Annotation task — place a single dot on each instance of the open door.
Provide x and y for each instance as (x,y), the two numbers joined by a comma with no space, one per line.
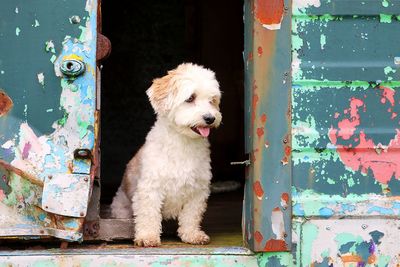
(48,116)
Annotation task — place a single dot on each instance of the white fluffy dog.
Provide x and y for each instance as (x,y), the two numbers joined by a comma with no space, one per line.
(169,176)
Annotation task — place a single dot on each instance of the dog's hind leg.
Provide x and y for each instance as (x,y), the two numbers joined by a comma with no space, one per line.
(121,206)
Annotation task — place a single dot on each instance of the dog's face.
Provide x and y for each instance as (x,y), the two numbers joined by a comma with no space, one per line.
(189,97)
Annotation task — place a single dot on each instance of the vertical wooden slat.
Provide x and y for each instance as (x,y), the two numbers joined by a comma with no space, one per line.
(267,213)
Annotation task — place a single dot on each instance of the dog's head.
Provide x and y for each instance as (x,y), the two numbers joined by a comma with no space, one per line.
(189,97)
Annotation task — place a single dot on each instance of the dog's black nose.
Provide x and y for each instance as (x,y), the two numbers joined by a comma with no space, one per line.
(209,119)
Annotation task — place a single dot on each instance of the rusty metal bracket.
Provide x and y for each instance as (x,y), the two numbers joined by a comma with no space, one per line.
(66,194)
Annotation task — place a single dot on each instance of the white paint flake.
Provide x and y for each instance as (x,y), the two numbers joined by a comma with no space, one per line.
(40,78)
(299,4)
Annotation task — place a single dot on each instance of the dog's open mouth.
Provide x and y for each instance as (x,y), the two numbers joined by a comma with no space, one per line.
(203,131)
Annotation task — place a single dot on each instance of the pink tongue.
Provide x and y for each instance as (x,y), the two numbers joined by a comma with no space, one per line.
(204,131)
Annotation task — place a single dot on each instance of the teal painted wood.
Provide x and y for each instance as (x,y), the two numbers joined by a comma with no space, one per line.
(53,113)
(346,7)
(232,257)
(267,213)
(345,111)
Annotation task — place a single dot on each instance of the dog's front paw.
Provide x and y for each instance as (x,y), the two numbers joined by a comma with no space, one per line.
(147,241)
(196,238)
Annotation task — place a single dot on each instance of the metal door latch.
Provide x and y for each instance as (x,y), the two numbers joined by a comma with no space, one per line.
(246,162)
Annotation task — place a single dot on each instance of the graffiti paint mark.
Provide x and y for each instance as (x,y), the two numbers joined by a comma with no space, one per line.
(5,103)
(269,13)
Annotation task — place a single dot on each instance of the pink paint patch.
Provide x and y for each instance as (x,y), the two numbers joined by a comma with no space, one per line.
(382,160)
(25,151)
(347,127)
(2,195)
(388,94)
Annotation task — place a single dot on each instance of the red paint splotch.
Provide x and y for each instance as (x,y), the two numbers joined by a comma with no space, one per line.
(275,245)
(254,103)
(284,200)
(258,190)
(258,236)
(259,51)
(260,132)
(263,118)
(382,159)
(288,150)
(269,11)
(253,155)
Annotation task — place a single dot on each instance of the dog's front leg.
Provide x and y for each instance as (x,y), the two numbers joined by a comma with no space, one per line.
(190,217)
(146,207)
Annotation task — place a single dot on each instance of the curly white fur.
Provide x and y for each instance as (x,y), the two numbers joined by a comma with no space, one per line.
(169,177)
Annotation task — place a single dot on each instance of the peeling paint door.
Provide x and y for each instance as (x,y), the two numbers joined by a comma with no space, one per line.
(345,131)
(48,116)
(266,210)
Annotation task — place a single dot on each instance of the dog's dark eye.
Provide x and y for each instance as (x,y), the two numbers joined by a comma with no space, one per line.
(191,98)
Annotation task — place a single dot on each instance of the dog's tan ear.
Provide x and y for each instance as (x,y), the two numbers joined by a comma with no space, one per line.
(159,94)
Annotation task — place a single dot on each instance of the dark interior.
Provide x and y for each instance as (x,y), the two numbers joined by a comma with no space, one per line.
(150,37)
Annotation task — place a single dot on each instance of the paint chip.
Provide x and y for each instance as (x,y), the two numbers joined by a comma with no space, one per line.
(16,10)
(8,144)
(36,24)
(300,4)
(40,78)
(53,58)
(50,47)
(323,41)
(17,31)
(75,20)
